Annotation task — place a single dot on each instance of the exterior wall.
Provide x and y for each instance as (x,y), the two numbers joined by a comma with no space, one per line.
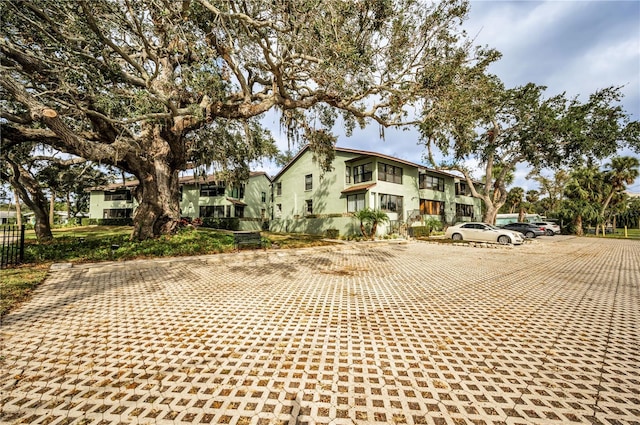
(192,201)
(97,204)
(329,201)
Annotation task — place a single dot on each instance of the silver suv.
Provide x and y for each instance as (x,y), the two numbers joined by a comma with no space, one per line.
(550,228)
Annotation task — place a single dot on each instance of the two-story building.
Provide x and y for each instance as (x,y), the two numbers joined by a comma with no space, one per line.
(307,200)
(202,197)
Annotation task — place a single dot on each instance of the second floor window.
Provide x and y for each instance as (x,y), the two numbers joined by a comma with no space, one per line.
(308,182)
(118,195)
(462,189)
(264,197)
(363,173)
(238,192)
(213,189)
(389,173)
(431,182)
(278,189)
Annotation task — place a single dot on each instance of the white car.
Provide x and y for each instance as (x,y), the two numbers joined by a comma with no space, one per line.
(550,228)
(483,232)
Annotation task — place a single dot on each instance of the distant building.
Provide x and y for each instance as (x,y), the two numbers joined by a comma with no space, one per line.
(7,217)
(201,197)
(502,219)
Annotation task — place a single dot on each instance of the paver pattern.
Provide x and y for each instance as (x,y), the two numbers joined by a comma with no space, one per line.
(416,333)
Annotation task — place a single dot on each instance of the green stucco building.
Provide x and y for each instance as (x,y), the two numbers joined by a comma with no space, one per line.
(303,199)
(307,200)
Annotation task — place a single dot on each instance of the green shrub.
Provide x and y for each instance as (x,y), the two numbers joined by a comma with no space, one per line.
(332,233)
(221,223)
(115,221)
(88,221)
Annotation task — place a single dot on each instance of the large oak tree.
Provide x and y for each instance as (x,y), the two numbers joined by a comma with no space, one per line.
(153,86)
(500,128)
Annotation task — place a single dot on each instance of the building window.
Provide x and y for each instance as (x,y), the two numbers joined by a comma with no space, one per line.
(215,211)
(389,173)
(239,210)
(429,207)
(264,196)
(462,189)
(238,192)
(391,203)
(363,173)
(309,206)
(263,213)
(216,189)
(355,202)
(347,175)
(117,213)
(463,210)
(431,182)
(278,212)
(278,189)
(308,182)
(118,195)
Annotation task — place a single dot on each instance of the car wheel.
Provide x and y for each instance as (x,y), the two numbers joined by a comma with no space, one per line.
(530,235)
(456,237)
(550,232)
(504,240)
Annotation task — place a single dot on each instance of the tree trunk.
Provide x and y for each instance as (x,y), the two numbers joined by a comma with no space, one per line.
(158,195)
(29,191)
(52,205)
(521,215)
(18,209)
(578,223)
(68,200)
(363,230)
(491,213)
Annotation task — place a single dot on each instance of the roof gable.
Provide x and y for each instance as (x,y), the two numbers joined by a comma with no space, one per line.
(362,153)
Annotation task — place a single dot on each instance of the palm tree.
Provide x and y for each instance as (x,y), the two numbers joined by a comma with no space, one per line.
(370,218)
(622,170)
(377,217)
(583,195)
(364,216)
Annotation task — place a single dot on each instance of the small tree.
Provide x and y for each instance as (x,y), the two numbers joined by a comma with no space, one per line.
(377,217)
(363,216)
(369,221)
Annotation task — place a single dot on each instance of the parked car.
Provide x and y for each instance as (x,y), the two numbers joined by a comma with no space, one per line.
(527,229)
(550,228)
(483,232)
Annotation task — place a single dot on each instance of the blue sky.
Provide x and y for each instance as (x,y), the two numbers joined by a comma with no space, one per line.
(575,47)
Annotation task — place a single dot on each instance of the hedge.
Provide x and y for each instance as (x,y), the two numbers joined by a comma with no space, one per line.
(221,223)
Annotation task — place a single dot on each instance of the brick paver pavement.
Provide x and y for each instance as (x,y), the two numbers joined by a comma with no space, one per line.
(356,334)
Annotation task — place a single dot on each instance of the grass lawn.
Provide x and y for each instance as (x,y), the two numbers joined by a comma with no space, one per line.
(111,243)
(16,284)
(619,234)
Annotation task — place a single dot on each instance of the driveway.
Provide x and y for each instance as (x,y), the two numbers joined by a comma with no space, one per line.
(363,333)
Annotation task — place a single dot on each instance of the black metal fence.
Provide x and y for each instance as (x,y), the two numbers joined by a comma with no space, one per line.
(12,238)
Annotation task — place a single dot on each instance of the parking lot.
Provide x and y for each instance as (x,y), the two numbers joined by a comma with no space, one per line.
(359,333)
